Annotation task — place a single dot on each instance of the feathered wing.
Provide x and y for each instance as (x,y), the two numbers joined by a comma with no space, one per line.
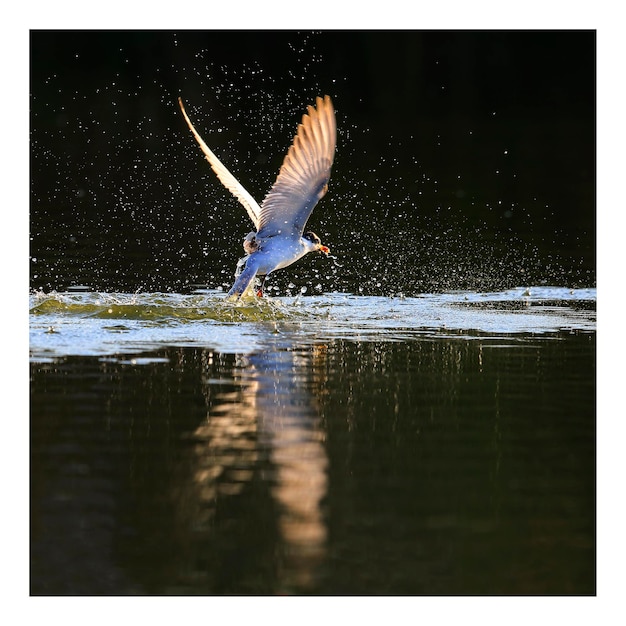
(303,177)
(226,178)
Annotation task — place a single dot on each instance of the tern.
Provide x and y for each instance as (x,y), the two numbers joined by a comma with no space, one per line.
(280,239)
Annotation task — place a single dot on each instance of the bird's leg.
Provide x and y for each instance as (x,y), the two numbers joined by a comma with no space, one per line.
(259,292)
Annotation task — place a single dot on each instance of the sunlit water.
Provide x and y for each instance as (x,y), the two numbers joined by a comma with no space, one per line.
(331,444)
(101,323)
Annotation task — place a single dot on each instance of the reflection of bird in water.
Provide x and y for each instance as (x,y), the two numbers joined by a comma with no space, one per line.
(263,429)
(302,181)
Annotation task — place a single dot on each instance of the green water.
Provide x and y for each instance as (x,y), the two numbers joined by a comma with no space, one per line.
(317,445)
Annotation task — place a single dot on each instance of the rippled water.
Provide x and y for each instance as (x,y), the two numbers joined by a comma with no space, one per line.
(95,323)
(333,444)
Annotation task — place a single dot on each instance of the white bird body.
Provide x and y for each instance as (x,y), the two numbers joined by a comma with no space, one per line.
(302,181)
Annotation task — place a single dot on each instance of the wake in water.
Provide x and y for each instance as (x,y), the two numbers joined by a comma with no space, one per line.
(159,306)
(63,324)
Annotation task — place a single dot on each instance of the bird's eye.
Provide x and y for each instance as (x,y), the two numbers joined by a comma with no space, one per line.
(311,236)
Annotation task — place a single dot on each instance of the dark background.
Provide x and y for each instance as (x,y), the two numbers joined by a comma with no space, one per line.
(465,160)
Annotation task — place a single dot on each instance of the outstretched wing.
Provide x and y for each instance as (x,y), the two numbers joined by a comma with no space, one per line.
(227,179)
(303,176)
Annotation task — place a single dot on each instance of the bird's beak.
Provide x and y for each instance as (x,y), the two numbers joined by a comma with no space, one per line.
(324,249)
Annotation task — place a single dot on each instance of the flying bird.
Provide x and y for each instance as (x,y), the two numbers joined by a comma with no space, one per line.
(280,239)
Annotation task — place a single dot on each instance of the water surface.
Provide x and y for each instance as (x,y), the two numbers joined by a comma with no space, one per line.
(332,444)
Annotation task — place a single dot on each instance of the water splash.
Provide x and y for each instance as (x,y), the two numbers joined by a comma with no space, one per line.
(106,324)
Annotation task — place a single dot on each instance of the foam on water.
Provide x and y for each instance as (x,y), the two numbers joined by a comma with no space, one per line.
(63,324)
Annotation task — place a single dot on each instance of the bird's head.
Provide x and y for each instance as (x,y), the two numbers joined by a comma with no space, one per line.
(316,243)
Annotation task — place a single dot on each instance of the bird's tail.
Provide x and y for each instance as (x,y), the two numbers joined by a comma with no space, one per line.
(244,280)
